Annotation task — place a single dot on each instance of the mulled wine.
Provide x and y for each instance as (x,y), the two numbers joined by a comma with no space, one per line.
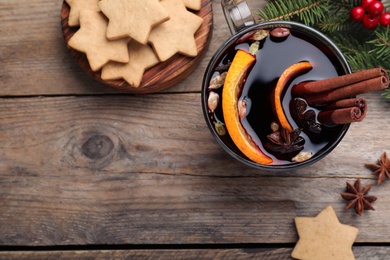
(274,56)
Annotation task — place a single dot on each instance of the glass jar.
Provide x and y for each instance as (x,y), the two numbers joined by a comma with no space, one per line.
(237,14)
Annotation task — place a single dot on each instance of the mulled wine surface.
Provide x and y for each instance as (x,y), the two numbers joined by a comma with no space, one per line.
(273,58)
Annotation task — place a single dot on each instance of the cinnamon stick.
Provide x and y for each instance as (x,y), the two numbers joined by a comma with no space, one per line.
(340,116)
(320,86)
(360,103)
(344,112)
(374,84)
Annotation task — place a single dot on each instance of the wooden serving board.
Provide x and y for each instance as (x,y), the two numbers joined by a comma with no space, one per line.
(161,76)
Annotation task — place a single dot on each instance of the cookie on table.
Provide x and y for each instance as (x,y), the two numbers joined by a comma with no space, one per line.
(177,35)
(324,237)
(193,4)
(76,6)
(132,18)
(91,39)
(141,57)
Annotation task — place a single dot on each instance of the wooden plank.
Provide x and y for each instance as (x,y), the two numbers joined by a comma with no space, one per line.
(36,61)
(266,254)
(34,58)
(360,252)
(152,128)
(146,170)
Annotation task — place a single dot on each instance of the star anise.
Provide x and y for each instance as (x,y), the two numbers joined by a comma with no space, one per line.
(382,168)
(357,197)
(283,141)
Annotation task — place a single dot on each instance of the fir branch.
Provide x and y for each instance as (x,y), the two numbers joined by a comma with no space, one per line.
(381,44)
(308,11)
(359,56)
(335,24)
(361,47)
(386,94)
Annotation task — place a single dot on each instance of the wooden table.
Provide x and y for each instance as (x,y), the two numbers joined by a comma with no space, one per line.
(86,171)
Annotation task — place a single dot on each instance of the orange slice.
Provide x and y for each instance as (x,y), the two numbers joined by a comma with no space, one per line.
(241,65)
(291,72)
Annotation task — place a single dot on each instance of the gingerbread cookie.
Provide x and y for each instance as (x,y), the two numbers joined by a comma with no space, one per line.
(91,39)
(177,34)
(132,18)
(324,237)
(193,4)
(141,56)
(76,6)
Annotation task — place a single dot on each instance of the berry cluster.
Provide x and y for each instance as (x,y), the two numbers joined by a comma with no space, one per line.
(370,13)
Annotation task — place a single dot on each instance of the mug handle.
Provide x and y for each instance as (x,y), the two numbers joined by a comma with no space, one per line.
(237,14)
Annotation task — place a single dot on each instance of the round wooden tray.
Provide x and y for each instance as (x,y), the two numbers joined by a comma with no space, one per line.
(161,76)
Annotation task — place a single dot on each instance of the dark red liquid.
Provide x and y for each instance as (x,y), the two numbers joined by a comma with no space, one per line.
(273,58)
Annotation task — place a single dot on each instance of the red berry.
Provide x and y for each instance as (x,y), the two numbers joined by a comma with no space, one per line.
(357,13)
(366,3)
(370,22)
(376,8)
(384,19)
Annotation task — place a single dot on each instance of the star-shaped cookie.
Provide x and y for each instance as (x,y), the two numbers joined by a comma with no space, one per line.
(193,4)
(132,18)
(324,237)
(80,5)
(177,34)
(91,39)
(141,56)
